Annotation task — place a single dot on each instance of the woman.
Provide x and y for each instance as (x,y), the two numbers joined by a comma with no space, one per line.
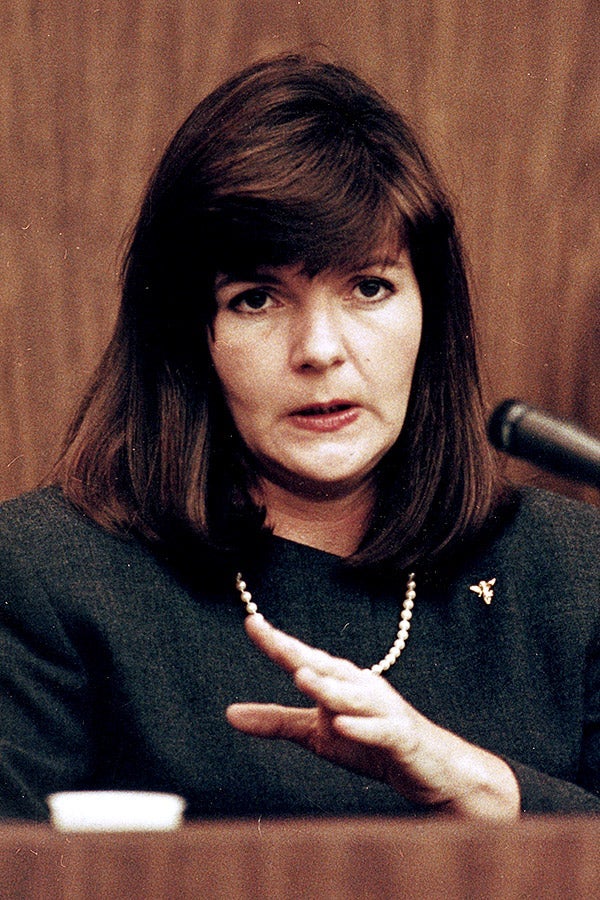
(288,421)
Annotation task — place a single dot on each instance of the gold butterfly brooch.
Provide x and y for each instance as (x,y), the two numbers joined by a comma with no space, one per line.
(485,590)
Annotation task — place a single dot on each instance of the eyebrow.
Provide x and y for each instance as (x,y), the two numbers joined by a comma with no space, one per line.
(269,275)
(384,262)
(255,275)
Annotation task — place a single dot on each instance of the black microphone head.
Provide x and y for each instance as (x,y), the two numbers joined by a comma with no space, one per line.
(501,422)
(545,441)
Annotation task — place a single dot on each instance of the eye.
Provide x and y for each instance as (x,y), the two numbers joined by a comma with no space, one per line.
(373,288)
(252,300)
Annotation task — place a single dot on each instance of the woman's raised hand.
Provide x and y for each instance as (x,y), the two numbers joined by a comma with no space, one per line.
(360,722)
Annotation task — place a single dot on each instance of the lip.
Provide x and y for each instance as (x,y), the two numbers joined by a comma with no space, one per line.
(326,417)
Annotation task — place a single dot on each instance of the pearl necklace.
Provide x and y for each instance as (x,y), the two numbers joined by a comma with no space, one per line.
(397,647)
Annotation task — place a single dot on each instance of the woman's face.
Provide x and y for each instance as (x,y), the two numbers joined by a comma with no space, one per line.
(317,371)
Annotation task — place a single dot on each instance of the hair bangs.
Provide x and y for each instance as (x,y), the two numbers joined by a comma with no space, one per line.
(333,213)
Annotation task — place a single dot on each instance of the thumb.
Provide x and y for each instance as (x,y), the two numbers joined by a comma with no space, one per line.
(272,721)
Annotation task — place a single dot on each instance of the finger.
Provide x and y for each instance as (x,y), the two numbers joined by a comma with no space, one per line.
(272,721)
(290,654)
(364,694)
(375,731)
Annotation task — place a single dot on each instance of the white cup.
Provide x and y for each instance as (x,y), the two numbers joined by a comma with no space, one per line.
(115,811)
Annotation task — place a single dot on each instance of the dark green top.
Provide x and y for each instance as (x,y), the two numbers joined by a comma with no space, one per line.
(114,673)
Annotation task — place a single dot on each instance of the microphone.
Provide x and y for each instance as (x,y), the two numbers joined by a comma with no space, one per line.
(548,442)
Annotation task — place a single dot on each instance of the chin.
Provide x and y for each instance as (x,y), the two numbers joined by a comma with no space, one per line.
(326,483)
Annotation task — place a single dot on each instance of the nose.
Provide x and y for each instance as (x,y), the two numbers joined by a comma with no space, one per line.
(317,339)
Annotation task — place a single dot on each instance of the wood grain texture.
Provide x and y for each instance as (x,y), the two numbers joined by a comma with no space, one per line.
(506,96)
(332,859)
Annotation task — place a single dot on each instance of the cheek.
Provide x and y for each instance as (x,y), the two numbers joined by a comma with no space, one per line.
(394,360)
(243,377)
(225,355)
(395,388)
(230,373)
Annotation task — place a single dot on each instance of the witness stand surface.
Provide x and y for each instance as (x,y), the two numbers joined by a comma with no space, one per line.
(299,858)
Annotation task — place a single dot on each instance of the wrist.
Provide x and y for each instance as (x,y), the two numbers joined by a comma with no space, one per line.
(490,789)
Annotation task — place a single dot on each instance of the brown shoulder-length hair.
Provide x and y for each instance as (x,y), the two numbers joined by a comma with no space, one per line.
(293,160)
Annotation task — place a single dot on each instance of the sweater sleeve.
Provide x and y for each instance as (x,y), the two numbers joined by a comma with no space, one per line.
(541,793)
(44,699)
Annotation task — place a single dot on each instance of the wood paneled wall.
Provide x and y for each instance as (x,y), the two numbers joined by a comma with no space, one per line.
(505,94)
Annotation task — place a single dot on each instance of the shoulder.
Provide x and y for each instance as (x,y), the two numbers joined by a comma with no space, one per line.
(551,507)
(43,535)
(541,520)
(533,526)
(44,520)
(36,510)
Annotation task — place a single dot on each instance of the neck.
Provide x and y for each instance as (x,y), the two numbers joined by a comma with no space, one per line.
(335,525)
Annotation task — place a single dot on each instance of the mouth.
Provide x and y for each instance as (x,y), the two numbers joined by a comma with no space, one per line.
(326,417)
(323,409)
